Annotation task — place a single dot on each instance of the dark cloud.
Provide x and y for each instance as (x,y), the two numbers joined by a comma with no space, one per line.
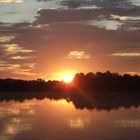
(84,10)
(56,35)
(98,3)
(46,16)
(97,11)
(131,25)
(62,15)
(44,0)
(57,32)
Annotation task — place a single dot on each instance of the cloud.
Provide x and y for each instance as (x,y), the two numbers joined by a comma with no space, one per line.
(47,16)
(16,61)
(6,38)
(55,43)
(18,57)
(127,54)
(78,55)
(106,24)
(118,14)
(18,69)
(62,15)
(119,17)
(11,1)
(10,49)
(77,4)
(129,23)
(126,18)
(87,3)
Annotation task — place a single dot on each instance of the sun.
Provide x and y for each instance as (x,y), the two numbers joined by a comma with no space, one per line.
(68,78)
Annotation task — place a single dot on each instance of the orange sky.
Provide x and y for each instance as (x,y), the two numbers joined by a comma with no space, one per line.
(48,39)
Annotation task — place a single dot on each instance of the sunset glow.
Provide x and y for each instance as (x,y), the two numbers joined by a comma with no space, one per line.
(68,78)
(69,69)
(61,37)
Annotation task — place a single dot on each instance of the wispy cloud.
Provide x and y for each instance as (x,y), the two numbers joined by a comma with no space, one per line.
(21,57)
(18,57)
(15,48)
(18,69)
(4,38)
(106,24)
(126,54)
(78,55)
(119,17)
(11,1)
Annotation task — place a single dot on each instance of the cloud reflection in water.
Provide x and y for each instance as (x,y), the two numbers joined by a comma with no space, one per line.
(49,119)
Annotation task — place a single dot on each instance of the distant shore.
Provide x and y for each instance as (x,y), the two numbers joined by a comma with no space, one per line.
(106,82)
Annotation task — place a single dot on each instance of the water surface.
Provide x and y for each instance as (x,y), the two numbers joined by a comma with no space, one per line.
(52,120)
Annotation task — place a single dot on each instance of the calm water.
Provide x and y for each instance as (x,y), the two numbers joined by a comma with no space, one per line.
(59,120)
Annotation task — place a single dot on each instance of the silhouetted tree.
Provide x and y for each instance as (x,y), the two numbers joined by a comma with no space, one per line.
(101,81)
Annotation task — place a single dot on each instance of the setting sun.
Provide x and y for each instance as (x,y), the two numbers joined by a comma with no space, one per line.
(68,78)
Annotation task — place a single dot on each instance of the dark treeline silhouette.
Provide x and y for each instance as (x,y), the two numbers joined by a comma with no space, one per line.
(92,91)
(106,82)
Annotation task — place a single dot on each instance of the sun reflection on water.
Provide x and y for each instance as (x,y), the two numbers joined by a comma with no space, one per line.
(78,123)
(63,103)
(17,117)
(50,119)
(128,123)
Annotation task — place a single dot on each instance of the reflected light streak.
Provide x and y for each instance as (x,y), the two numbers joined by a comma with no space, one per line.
(128,123)
(78,123)
(62,103)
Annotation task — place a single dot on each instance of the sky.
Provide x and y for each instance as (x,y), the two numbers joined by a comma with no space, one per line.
(49,38)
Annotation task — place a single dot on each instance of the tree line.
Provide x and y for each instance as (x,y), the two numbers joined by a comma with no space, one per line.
(101,90)
(90,82)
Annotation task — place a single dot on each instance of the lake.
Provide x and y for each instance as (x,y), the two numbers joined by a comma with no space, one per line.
(46,119)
